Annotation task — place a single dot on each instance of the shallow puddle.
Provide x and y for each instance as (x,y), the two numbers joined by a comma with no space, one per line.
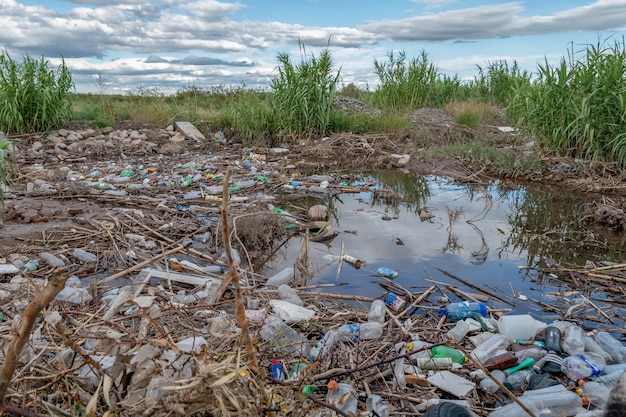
(494,238)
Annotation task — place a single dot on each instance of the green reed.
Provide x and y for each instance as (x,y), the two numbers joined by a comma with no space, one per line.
(34,96)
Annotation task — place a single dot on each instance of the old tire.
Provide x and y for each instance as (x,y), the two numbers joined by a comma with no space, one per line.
(447,409)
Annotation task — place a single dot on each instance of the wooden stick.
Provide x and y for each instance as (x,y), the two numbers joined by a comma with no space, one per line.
(592,304)
(140,265)
(606,277)
(21,332)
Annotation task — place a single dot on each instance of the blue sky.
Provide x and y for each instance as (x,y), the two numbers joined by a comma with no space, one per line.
(173,44)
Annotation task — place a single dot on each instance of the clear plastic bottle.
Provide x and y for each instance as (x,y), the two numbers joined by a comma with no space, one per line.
(283,277)
(552,402)
(574,340)
(610,344)
(536,353)
(458,311)
(490,347)
(583,366)
(343,396)
(596,393)
(518,380)
(592,346)
(363,331)
(377,311)
(416,345)
(323,346)
(374,404)
(286,293)
(610,380)
(459,331)
(487,383)
(399,379)
(280,335)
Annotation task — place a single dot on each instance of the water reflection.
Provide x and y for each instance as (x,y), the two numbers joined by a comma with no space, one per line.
(482,233)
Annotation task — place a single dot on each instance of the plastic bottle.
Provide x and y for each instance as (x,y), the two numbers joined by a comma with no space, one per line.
(377,311)
(518,380)
(596,393)
(284,337)
(443,351)
(520,326)
(553,338)
(386,272)
(487,383)
(574,341)
(536,353)
(582,366)
(561,402)
(286,293)
(502,361)
(459,331)
(374,404)
(320,350)
(490,347)
(614,367)
(399,379)
(363,331)
(277,371)
(464,309)
(432,363)
(611,345)
(342,396)
(416,345)
(84,256)
(526,363)
(592,346)
(283,277)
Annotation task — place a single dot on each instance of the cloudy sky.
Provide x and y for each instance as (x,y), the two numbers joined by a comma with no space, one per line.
(172,44)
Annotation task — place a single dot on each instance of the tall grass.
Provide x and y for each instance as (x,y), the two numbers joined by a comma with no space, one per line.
(302,95)
(578,108)
(498,80)
(33,95)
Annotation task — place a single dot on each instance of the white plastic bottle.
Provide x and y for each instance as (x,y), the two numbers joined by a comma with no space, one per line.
(374,403)
(592,346)
(490,347)
(377,311)
(459,331)
(364,331)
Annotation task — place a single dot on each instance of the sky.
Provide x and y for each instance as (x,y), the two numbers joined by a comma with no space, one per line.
(116,46)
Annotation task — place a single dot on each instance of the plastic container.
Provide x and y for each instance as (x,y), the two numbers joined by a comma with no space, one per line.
(286,293)
(582,366)
(592,346)
(320,350)
(84,256)
(443,351)
(416,345)
(374,404)
(574,340)
(553,339)
(611,345)
(283,277)
(518,380)
(596,393)
(386,272)
(561,402)
(432,363)
(377,311)
(399,379)
(281,336)
(394,302)
(363,331)
(536,353)
(502,361)
(459,331)
(520,327)
(490,347)
(614,367)
(487,384)
(277,371)
(463,310)
(342,396)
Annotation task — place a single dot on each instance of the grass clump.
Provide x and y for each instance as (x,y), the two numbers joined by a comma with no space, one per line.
(578,108)
(33,95)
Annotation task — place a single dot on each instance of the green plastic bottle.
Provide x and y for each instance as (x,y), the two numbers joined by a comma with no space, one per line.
(443,351)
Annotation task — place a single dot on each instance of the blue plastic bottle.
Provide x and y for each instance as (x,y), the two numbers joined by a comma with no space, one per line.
(464,309)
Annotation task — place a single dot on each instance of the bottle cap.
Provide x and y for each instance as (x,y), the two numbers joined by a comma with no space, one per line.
(332,384)
(442,311)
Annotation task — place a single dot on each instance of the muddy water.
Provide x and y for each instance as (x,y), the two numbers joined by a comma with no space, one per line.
(493,237)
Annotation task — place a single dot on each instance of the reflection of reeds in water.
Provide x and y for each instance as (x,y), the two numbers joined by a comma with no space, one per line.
(452,243)
(480,256)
